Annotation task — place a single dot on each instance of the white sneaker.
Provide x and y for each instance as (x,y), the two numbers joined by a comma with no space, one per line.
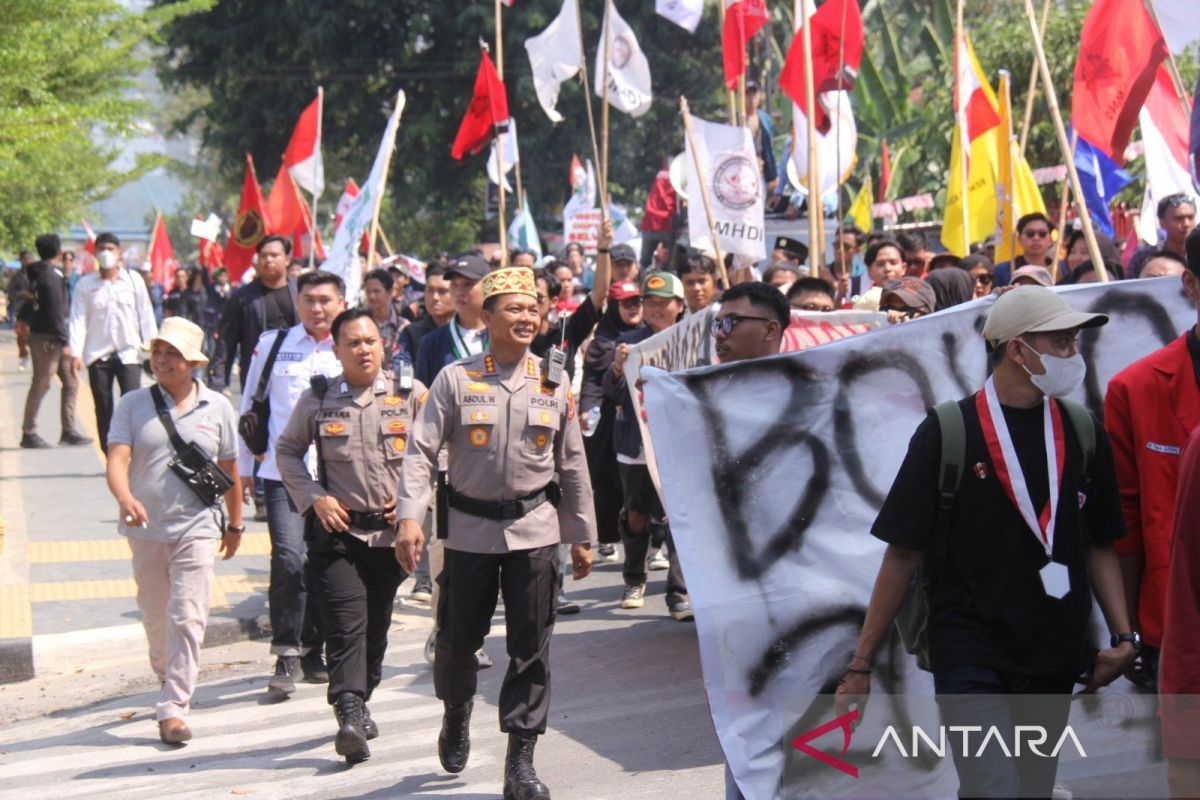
(607,554)
(659,560)
(24,365)
(1061,792)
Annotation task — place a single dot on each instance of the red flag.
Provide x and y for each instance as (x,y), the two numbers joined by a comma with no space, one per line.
(743,19)
(885,172)
(835,59)
(87,260)
(487,112)
(289,214)
(249,226)
(161,254)
(211,255)
(1120,49)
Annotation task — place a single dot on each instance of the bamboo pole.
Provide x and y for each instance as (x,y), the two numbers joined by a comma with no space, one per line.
(1089,232)
(387,166)
(1172,67)
(312,214)
(712,225)
(816,243)
(964,134)
(391,250)
(604,108)
(502,216)
(729,92)
(1009,204)
(741,99)
(587,98)
(1033,82)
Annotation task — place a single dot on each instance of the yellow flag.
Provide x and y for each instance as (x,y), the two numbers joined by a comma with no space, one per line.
(981,193)
(860,209)
(1017,193)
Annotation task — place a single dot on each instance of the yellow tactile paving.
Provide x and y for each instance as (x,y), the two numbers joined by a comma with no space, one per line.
(16,621)
(117,549)
(127,587)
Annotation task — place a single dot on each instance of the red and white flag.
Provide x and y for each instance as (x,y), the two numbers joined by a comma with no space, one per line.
(487,113)
(87,260)
(303,155)
(1165,130)
(975,107)
(836,31)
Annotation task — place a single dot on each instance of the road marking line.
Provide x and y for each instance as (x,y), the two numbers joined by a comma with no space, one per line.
(127,587)
(16,617)
(117,549)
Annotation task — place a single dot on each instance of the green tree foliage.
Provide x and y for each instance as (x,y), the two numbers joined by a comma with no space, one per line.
(65,73)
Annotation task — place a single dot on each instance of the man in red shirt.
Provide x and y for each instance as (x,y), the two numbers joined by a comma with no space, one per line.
(1151,408)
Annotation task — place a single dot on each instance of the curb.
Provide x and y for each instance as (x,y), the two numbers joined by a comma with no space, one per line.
(16,660)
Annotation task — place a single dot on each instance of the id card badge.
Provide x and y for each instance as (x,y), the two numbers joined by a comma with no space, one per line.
(1056,580)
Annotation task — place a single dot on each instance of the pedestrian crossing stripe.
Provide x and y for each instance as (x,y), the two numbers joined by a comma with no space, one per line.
(127,587)
(117,549)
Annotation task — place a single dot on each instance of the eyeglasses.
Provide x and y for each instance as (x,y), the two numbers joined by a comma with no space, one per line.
(986,280)
(904,312)
(726,324)
(632,302)
(1036,233)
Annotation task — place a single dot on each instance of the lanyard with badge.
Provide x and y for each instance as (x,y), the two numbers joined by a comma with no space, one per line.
(459,344)
(1055,578)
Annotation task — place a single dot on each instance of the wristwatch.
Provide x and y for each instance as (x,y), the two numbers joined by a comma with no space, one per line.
(240,529)
(1134,638)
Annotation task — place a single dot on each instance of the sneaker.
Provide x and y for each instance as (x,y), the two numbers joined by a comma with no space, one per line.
(312,664)
(260,511)
(659,560)
(482,659)
(634,596)
(31,441)
(607,554)
(1061,792)
(283,681)
(680,609)
(422,591)
(24,365)
(73,438)
(566,606)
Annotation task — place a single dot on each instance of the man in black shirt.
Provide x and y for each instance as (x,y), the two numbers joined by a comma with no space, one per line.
(1009,569)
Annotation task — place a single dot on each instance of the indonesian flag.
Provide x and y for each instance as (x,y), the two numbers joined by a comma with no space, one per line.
(837,45)
(487,113)
(249,226)
(743,19)
(161,255)
(1165,133)
(303,155)
(88,259)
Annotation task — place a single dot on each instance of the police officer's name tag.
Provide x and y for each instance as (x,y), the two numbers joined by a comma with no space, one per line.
(1056,580)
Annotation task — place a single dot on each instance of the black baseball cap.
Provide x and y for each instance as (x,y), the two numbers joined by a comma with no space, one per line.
(622,252)
(469,266)
(793,247)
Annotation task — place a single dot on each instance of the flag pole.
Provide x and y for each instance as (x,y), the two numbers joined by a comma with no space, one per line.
(502,213)
(604,108)
(387,166)
(1064,205)
(587,98)
(1009,205)
(729,92)
(816,242)
(712,225)
(312,214)
(1089,232)
(1172,67)
(964,135)
(1033,82)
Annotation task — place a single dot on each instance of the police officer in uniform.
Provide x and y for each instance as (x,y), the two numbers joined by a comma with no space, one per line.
(361,422)
(518,485)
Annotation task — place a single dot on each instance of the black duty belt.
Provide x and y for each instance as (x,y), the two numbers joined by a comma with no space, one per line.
(504,510)
(369,520)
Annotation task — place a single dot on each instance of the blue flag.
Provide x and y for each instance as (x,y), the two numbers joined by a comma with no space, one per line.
(1101,179)
(523,233)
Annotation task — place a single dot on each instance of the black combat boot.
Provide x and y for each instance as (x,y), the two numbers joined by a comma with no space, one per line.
(454,742)
(369,726)
(520,781)
(351,740)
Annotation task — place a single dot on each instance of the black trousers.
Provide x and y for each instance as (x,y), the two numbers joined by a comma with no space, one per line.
(528,581)
(101,375)
(357,584)
(641,497)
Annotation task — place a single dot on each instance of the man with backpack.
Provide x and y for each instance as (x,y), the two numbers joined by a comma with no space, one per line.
(1007,503)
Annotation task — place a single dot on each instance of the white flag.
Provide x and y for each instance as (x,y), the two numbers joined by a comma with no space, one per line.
(512,154)
(684,13)
(628,69)
(731,178)
(835,149)
(343,254)
(556,55)
(584,196)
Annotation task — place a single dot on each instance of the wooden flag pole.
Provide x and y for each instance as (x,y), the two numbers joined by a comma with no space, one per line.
(730,93)
(1172,67)
(604,108)
(1009,208)
(587,98)
(391,250)
(712,225)
(312,214)
(741,100)
(816,243)
(1089,232)
(1064,206)
(1033,82)
(387,166)
(964,135)
(502,215)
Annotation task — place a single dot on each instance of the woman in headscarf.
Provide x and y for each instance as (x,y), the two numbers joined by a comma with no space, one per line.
(951,286)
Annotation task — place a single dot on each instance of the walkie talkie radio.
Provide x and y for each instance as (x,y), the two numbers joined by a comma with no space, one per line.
(555,361)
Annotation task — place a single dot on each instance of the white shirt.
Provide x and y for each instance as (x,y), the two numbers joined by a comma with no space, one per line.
(110,317)
(300,357)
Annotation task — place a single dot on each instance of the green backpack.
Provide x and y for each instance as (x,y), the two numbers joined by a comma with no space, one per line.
(912,620)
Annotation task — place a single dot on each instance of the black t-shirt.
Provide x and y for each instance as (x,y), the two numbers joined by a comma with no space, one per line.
(281,312)
(988,607)
(578,327)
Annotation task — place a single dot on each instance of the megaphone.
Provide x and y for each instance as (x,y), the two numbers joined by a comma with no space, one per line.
(678,175)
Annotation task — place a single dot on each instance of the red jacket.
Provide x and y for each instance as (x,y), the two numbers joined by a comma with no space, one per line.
(1151,408)
(1179,673)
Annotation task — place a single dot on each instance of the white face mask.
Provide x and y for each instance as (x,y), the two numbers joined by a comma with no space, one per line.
(1063,375)
(107,259)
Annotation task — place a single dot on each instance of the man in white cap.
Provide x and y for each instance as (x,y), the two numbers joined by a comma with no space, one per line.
(1007,501)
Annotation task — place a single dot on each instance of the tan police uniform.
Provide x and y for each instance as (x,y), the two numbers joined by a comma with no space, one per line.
(514,446)
(362,436)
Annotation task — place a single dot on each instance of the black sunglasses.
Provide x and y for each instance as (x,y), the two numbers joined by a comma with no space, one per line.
(726,324)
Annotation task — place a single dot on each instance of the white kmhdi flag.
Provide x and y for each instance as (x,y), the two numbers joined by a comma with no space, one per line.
(628,69)
(556,56)
(733,183)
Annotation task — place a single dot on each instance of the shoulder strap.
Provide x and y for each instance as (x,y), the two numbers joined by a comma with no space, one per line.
(265,377)
(1085,430)
(954,451)
(323,383)
(164,415)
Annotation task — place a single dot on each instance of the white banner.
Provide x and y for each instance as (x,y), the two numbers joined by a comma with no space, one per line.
(343,253)
(512,155)
(555,55)
(772,473)
(628,69)
(684,13)
(733,183)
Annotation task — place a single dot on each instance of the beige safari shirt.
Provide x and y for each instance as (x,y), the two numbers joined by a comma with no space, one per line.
(363,437)
(508,435)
